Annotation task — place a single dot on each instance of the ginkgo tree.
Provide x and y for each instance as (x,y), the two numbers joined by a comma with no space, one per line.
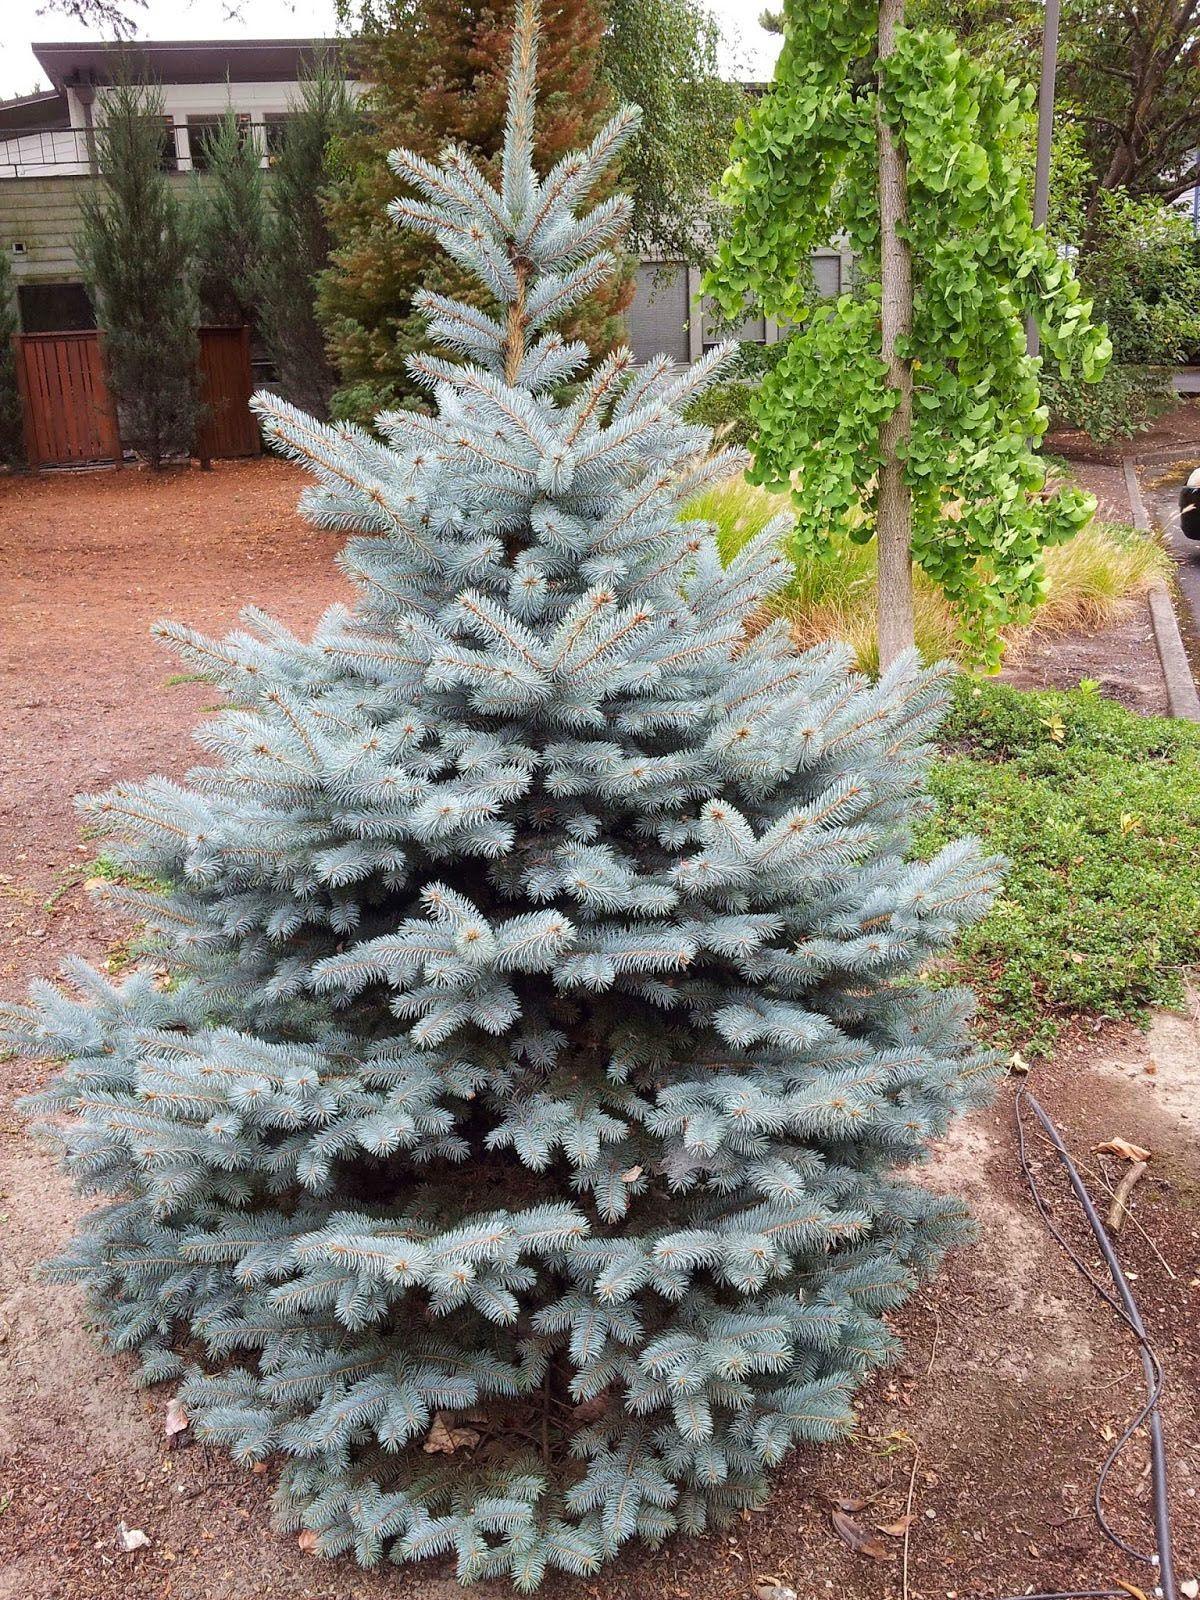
(908,410)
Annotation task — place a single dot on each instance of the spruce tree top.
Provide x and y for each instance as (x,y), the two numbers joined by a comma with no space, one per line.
(513,1147)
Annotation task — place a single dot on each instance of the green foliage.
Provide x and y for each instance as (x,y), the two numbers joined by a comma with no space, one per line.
(1143,269)
(1127,74)
(230,223)
(663,55)
(1098,812)
(135,252)
(1126,88)
(727,408)
(309,158)
(11,450)
(804,171)
(1126,400)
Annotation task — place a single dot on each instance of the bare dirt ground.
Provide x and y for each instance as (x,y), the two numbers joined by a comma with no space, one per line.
(1014,1376)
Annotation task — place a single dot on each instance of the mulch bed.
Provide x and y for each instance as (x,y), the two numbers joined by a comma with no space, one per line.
(1013,1375)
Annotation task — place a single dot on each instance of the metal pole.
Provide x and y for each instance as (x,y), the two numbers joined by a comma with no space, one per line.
(1045,131)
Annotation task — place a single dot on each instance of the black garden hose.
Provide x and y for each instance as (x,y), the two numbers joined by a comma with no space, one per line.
(1125,1307)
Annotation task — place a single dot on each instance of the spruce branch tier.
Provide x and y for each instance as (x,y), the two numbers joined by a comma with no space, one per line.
(513,1154)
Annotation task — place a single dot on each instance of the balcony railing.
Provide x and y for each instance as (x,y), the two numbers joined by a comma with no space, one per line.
(65,152)
(44,152)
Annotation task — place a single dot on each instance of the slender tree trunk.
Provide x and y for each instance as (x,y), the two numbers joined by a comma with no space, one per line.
(893,501)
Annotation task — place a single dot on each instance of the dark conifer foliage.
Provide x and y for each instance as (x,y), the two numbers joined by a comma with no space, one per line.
(309,153)
(12,450)
(230,220)
(135,252)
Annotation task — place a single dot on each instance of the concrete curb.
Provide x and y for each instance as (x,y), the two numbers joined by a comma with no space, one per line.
(1181,686)
(1176,668)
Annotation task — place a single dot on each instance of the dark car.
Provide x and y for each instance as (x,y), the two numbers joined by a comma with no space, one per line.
(1189,507)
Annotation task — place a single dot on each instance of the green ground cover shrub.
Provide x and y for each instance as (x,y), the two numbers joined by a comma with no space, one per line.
(1098,812)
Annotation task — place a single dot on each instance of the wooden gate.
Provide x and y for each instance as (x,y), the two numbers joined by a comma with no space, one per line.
(66,404)
(228,427)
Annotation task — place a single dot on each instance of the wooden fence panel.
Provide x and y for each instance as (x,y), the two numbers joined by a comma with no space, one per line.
(67,407)
(228,426)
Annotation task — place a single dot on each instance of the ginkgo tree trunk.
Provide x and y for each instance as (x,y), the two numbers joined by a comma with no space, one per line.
(908,409)
(894,502)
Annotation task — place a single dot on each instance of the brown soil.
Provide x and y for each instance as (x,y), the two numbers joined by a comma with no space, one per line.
(1123,660)
(1013,1373)
(1174,430)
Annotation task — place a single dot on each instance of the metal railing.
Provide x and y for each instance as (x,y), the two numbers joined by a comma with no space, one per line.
(44,152)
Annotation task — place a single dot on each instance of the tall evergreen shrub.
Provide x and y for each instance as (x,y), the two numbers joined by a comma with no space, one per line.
(12,451)
(135,253)
(297,243)
(230,221)
(514,1155)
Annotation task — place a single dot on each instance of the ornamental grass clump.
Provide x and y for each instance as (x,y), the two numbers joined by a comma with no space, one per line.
(512,1157)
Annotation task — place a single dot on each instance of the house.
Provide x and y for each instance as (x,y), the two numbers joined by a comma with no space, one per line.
(48,162)
(48,146)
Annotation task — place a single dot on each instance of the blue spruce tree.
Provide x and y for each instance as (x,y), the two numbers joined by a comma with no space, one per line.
(512,1152)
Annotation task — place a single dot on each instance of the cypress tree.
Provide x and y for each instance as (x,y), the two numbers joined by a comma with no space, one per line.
(230,222)
(297,241)
(435,70)
(515,1152)
(12,451)
(135,253)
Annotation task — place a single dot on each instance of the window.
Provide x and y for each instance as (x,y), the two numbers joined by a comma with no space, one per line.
(827,276)
(202,132)
(658,317)
(54,308)
(715,330)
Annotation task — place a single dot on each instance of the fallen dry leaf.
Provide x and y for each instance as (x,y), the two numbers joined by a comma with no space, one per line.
(897,1529)
(1018,1064)
(1190,1587)
(847,1502)
(132,1538)
(176,1419)
(309,1541)
(444,1440)
(632,1175)
(1123,1148)
(1131,1588)
(860,1540)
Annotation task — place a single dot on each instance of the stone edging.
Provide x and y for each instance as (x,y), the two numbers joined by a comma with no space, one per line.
(1177,672)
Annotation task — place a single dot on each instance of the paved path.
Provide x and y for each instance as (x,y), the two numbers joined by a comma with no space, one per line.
(1164,508)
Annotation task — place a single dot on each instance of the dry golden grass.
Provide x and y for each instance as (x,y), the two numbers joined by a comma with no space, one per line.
(1089,581)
